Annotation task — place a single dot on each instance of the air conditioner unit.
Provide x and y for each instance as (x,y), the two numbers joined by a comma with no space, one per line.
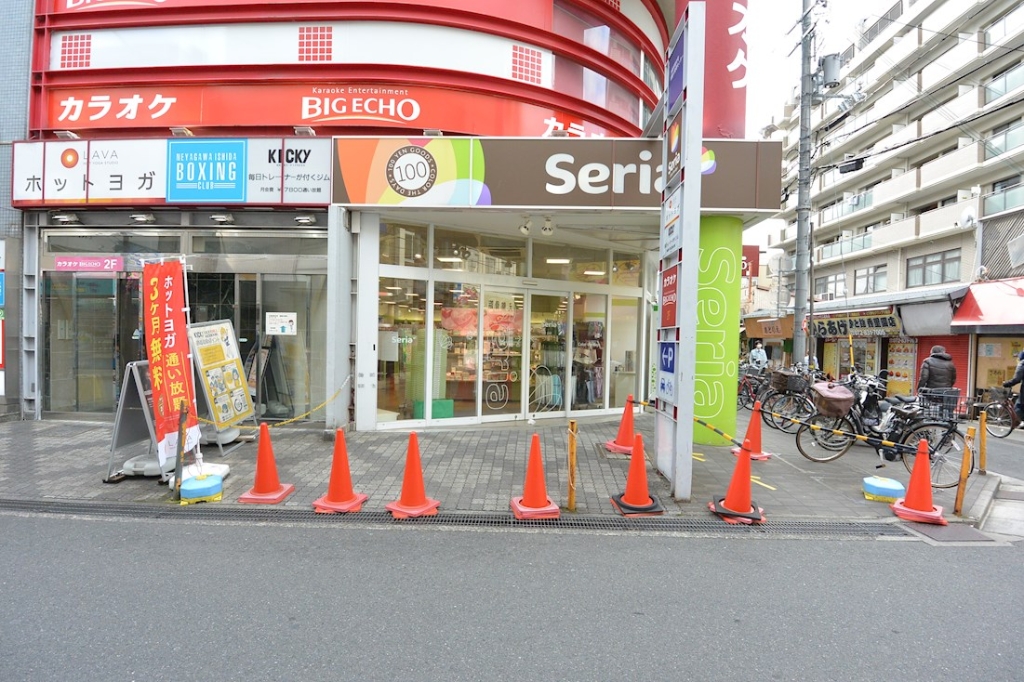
(828,296)
(854,200)
(847,234)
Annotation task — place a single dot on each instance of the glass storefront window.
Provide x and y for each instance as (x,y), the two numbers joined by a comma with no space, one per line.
(113,243)
(588,351)
(307,245)
(402,351)
(587,29)
(997,360)
(573,264)
(626,269)
(403,244)
(486,254)
(456,307)
(622,349)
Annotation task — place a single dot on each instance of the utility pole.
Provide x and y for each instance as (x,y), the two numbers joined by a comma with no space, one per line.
(803,207)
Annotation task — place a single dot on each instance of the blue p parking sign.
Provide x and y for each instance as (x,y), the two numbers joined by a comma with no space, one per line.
(3,291)
(667,353)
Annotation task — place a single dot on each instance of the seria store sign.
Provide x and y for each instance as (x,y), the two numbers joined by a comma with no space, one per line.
(858,323)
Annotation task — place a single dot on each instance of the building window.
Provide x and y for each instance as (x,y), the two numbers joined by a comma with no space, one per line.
(1006,194)
(935,268)
(830,287)
(869,280)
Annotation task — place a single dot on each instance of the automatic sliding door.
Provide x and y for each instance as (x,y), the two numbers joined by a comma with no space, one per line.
(502,353)
(548,392)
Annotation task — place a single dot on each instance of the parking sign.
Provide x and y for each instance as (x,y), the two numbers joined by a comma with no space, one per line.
(667,353)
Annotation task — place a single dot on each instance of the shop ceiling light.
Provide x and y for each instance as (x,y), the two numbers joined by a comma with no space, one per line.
(593,273)
(145,218)
(558,261)
(449,259)
(305,219)
(525,227)
(181,131)
(65,135)
(304,131)
(432,132)
(223,218)
(548,229)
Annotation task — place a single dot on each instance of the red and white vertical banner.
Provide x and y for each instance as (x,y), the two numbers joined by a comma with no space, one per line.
(167,347)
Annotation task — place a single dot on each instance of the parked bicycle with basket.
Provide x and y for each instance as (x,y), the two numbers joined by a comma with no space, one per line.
(1000,414)
(841,421)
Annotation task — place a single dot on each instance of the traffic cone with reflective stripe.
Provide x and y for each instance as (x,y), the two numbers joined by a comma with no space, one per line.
(917,505)
(340,498)
(623,443)
(736,506)
(535,503)
(637,500)
(267,488)
(754,435)
(413,501)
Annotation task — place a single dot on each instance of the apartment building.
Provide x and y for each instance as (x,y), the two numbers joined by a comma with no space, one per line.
(916,196)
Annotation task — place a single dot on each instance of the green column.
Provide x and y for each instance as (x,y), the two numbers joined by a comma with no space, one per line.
(718,327)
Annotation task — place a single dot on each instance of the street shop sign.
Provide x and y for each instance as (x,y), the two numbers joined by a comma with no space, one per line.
(167,349)
(858,323)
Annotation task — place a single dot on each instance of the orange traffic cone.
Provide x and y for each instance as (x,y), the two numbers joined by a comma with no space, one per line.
(623,443)
(414,501)
(636,500)
(340,497)
(917,505)
(535,503)
(736,506)
(754,435)
(267,488)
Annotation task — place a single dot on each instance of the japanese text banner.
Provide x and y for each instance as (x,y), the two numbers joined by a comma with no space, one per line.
(167,348)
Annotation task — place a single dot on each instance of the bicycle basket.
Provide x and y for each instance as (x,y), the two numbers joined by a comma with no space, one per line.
(832,400)
(939,403)
(785,381)
(998,394)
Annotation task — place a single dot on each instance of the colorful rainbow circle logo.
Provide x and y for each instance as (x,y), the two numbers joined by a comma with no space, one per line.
(69,158)
(707,161)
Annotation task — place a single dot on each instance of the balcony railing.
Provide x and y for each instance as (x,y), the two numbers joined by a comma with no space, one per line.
(1004,142)
(1008,82)
(1004,200)
(845,246)
(844,208)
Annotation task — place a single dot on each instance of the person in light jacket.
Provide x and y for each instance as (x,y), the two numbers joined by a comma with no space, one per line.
(758,358)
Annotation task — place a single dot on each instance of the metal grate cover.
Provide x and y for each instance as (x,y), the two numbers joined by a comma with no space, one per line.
(704,526)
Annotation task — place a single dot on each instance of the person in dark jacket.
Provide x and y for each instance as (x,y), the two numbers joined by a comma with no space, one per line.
(1018,377)
(937,370)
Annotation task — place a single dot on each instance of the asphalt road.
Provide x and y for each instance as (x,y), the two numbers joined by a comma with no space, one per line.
(101,599)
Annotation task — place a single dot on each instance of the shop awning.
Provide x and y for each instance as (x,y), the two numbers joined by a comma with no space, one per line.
(995,307)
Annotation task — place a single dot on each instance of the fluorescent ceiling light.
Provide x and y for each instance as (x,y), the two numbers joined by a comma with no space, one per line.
(449,259)
(558,261)
(593,273)
(394,288)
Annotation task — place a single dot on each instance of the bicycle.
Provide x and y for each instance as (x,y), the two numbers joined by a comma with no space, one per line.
(1000,415)
(752,380)
(787,404)
(825,438)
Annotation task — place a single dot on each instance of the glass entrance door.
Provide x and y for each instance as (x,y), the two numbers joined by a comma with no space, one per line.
(501,367)
(92,328)
(547,387)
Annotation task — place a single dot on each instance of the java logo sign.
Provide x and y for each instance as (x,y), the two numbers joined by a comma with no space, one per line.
(108,4)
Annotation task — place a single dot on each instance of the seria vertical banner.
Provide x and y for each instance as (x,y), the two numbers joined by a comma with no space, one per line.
(167,349)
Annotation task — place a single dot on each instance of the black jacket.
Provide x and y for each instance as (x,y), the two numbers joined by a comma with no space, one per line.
(937,371)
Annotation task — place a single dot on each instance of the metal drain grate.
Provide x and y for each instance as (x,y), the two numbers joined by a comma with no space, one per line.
(709,525)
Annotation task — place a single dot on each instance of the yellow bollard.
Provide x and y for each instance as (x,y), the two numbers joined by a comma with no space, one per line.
(965,469)
(572,465)
(982,442)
